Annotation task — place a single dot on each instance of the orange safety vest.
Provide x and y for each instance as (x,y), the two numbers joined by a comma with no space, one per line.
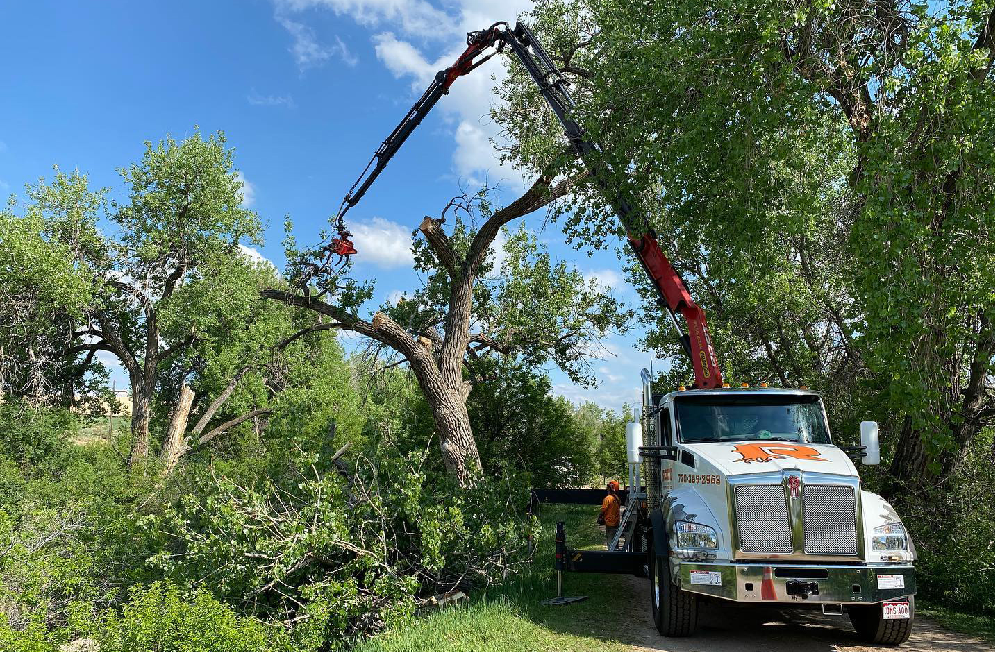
(610,508)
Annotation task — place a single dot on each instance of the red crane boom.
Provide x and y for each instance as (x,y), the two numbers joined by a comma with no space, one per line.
(673,292)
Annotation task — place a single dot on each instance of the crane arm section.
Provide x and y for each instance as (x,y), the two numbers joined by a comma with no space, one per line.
(673,293)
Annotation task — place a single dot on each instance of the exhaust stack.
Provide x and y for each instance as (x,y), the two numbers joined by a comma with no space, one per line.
(650,439)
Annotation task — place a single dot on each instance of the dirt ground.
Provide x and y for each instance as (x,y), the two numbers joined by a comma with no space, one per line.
(737,628)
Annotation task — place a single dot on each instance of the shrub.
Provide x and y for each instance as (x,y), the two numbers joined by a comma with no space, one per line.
(341,554)
(954,533)
(158,619)
(32,435)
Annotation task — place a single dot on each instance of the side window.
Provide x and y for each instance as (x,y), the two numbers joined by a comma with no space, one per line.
(666,433)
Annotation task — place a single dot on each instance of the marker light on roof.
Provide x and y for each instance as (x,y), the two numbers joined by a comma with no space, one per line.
(725,385)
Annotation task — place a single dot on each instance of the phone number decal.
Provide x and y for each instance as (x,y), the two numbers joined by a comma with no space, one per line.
(687,478)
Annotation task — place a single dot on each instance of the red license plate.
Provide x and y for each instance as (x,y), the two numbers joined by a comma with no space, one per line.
(896,610)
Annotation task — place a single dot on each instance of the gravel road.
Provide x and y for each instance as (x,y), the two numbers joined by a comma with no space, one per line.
(736,628)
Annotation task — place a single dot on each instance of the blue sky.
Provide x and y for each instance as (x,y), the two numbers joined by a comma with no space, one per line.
(305,90)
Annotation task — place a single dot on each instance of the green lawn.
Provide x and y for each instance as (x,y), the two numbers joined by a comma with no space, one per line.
(511,617)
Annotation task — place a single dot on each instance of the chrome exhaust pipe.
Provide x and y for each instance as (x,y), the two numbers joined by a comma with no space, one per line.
(650,430)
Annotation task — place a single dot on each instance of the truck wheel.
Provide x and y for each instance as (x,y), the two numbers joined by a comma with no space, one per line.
(675,612)
(872,627)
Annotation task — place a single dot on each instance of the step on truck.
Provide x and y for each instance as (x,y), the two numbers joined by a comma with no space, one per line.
(747,498)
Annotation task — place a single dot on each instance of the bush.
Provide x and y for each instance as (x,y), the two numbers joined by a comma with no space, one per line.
(32,435)
(342,554)
(954,533)
(157,619)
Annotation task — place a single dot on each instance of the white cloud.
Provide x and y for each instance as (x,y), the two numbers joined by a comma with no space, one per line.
(308,52)
(382,242)
(614,397)
(415,17)
(497,254)
(467,107)
(253,255)
(606,278)
(256,99)
(248,190)
(395,297)
(402,59)
(108,359)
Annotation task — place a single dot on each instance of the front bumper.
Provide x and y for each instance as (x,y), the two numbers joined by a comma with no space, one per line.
(796,583)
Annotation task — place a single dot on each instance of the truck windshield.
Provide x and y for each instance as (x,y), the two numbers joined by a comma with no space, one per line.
(751,418)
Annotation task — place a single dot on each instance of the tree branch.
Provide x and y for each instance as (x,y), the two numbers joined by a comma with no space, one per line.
(178,346)
(118,347)
(488,342)
(382,329)
(327,326)
(439,242)
(986,41)
(216,404)
(541,194)
(231,424)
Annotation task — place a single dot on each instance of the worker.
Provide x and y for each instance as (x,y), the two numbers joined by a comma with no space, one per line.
(609,515)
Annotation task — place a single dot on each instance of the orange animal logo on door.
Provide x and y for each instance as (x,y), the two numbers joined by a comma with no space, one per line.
(768,452)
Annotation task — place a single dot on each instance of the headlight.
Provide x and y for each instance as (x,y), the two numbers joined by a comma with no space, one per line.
(695,535)
(890,536)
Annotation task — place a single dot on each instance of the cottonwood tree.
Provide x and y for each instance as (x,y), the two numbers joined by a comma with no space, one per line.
(821,174)
(169,292)
(530,307)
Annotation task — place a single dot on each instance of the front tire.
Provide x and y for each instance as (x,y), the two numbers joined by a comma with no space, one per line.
(675,612)
(872,627)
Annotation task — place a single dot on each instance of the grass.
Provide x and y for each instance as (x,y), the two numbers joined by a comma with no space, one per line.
(510,617)
(958,621)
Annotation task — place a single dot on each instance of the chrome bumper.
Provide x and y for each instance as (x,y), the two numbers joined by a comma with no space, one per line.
(795,583)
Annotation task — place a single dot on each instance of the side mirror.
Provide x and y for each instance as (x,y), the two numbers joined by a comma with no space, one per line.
(869,442)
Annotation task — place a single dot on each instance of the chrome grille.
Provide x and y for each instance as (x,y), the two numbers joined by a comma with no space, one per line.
(762,518)
(830,519)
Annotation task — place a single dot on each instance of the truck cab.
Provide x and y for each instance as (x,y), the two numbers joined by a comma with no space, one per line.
(750,500)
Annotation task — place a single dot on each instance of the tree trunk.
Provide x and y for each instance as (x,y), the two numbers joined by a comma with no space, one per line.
(910,464)
(140,413)
(452,424)
(176,442)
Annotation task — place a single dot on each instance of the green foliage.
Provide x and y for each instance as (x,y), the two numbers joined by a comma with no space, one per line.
(519,425)
(954,532)
(31,435)
(45,289)
(606,430)
(525,304)
(819,176)
(341,553)
(159,617)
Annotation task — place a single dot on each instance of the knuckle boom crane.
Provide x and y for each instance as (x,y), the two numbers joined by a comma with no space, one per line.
(673,293)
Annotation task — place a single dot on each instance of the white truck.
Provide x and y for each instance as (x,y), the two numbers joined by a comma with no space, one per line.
(749,500)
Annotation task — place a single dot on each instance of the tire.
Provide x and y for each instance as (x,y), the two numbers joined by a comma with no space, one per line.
(871,626)
(675,612)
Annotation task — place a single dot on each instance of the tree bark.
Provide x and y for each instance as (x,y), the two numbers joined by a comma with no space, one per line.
(140,414)
(175,444)
(452,424)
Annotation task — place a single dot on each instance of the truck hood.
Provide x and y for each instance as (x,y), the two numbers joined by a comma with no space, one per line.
(740,458)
